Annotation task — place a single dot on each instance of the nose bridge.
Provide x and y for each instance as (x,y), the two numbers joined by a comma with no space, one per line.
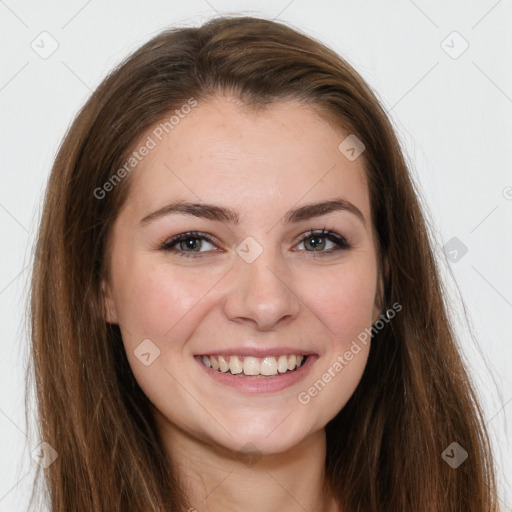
(261,290)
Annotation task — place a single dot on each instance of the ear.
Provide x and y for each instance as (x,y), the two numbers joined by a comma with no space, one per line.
(109,309)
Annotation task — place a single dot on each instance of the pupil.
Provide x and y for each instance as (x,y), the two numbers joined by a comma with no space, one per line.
(191,243)
(315,239)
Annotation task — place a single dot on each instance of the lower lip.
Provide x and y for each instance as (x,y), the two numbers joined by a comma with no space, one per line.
(252,384)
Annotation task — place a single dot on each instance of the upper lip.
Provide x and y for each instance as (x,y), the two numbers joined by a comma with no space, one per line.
(258,351)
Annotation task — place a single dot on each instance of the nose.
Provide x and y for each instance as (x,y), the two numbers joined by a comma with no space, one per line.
(262,292)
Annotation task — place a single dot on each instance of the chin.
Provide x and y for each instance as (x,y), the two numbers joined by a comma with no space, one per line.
(262,438)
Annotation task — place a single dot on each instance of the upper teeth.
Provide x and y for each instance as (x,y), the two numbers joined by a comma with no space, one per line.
(269,365)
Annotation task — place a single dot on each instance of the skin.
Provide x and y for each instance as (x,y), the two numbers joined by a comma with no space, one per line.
(262,165)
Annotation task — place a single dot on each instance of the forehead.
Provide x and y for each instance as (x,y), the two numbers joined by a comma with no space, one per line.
(254,161)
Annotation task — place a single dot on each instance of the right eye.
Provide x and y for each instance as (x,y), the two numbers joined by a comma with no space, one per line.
(184,239)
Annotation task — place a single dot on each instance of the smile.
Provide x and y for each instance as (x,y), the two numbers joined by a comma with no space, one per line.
(265,366)
(257,375)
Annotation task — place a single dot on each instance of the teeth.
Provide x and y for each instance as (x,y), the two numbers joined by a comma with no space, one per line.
(249,365)
(269,366)
(282,364)
(223,366)
(235,365)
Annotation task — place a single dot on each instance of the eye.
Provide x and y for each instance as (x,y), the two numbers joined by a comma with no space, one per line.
(190,243)
(191,240)
(319,240)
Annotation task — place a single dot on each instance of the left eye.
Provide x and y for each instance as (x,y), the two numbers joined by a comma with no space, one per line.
(321,238)
(193,241)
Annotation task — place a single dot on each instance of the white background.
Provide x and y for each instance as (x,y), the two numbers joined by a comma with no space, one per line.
(453,117)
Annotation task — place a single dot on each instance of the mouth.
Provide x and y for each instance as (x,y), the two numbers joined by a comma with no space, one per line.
(258,373)
(249,366)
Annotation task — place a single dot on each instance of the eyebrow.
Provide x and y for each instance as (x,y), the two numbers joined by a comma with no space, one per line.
(224,214)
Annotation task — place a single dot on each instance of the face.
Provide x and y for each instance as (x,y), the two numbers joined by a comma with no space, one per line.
(257,286)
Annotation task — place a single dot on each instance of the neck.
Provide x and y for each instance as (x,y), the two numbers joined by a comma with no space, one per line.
(216,479)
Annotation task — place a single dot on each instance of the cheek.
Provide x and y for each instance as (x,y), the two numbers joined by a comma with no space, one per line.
(155,299)
(336,382)
(343,298)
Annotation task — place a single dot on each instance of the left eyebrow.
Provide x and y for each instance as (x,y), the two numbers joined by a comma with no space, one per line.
(224,214)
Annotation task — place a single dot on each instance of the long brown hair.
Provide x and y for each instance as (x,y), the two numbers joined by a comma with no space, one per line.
(415,398)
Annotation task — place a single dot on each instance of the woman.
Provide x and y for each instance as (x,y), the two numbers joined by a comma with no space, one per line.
(190,352)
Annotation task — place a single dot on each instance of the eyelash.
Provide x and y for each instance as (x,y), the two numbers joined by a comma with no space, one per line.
(340,241)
